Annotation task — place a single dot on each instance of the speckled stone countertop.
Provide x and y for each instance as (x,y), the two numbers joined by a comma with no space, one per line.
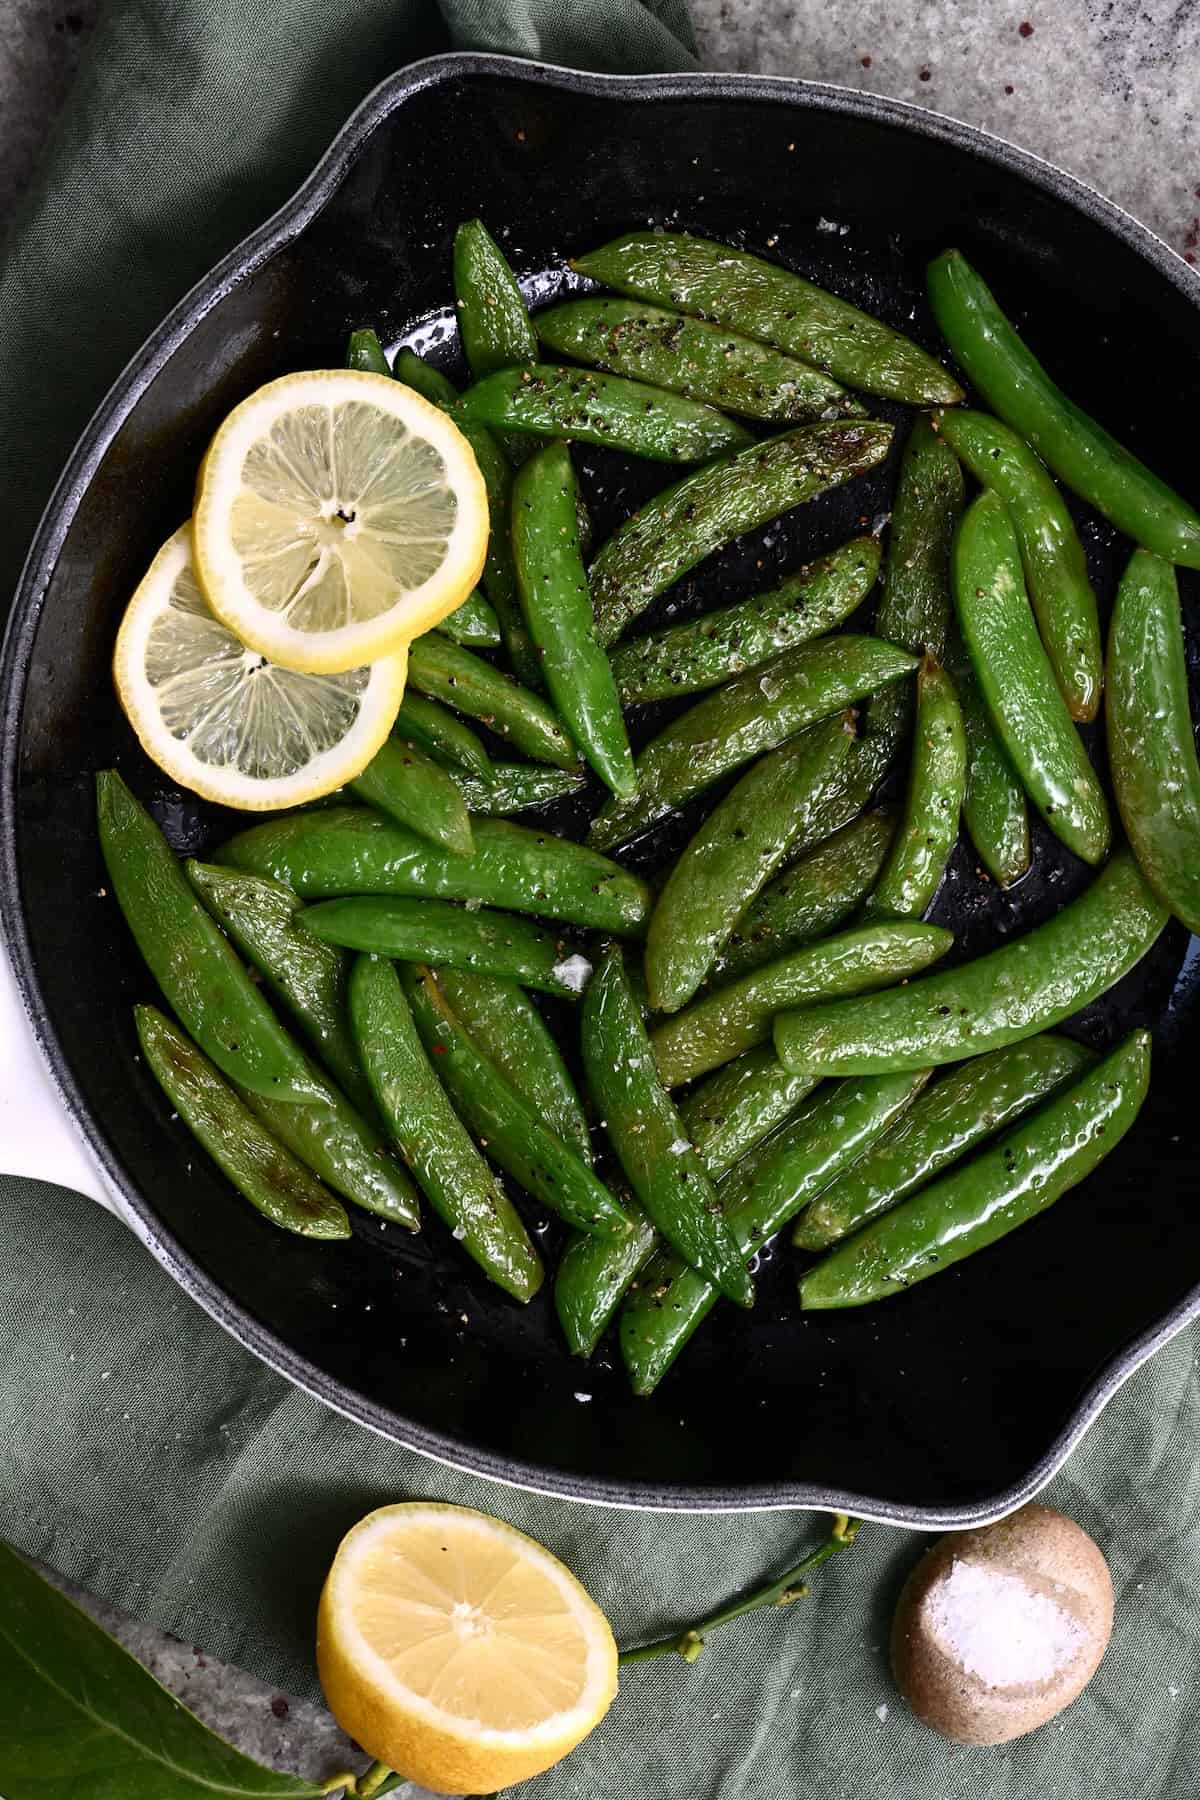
(1105,88)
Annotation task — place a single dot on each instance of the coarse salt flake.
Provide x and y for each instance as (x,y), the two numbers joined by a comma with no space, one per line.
(994,1626)
(574,973)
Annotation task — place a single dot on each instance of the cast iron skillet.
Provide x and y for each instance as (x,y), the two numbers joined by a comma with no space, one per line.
(945,1407)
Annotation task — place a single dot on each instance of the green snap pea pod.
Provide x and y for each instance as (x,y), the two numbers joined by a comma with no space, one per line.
(438,931)
(261,1170)
(968,1105)
(435,729)
(595,1273)
(474,622)
(420,375)
(516,787)
(740,1106)
(645,1131)
(459,678)
(553,588)
(364,351)
(189,956)
(871,756)
(649,343)
(811,897)
(492,316)
(928,829)
(988,1197)
(994,809)
(510,1030)
(734,1018)
(679,527)
(548,401)
(1026,985)
(1018,684)
(726,1118)
(705,651)
(352,850)
(414,789)
(1151,748)
(499,580)
(670,1300)
(750,715)
(1051,553)
(308,977)
(915,606)
(432,1138)
(765,301)
(1079,451)
(735,852)
(502,1122)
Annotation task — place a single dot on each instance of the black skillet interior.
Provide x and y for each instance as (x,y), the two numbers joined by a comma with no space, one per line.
(930,1407)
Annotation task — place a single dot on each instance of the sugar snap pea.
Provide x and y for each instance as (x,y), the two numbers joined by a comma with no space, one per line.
(971,1103)
(499,580)
(1079,451)
(928,828)
(352,850)
(751,714)
(994,809)
(763,1193)
(766,301)
(734,1018)
(705,651)
(402,781)
(261,1169)
(915,606)
(645,1131)
(458,678)
(492,316)
(307,976)
(1024,986)
(553,588)
(438,931)
(1018,684)
(1151,746)
(346,1148)
(501,1121)
(993,1194)
(811,897)
(474,622)
(734,853)
(586,407)
(516,787)
(432,1139)
(692,357)
(189,956)
(685,523)
(435,729)
(726,1117)
(510,1030)
(740,1106)
(1051,553)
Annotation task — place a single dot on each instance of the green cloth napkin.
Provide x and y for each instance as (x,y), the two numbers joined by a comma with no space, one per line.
(146,1455)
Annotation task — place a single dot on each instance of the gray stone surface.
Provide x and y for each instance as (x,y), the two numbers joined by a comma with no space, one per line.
(1106,89)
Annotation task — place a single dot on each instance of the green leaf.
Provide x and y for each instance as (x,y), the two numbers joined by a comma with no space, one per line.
(80,1717)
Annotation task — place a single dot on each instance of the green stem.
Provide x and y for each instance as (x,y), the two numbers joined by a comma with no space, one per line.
(690,1642)
(378,1779)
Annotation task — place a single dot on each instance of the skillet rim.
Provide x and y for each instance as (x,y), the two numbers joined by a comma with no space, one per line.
(289,222)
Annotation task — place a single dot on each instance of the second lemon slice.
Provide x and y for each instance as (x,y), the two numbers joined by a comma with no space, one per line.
(338,516)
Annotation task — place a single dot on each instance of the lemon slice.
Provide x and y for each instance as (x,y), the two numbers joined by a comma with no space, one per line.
(338,516)
(221,719)
(459,1652)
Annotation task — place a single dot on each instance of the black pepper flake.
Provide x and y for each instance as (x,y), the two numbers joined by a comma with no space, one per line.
(1025,28)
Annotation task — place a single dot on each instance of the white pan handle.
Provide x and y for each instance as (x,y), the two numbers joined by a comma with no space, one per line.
(37,1134)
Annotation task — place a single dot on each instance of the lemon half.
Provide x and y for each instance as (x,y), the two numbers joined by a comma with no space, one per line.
(225,722)
(458,1651)
(338,516)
